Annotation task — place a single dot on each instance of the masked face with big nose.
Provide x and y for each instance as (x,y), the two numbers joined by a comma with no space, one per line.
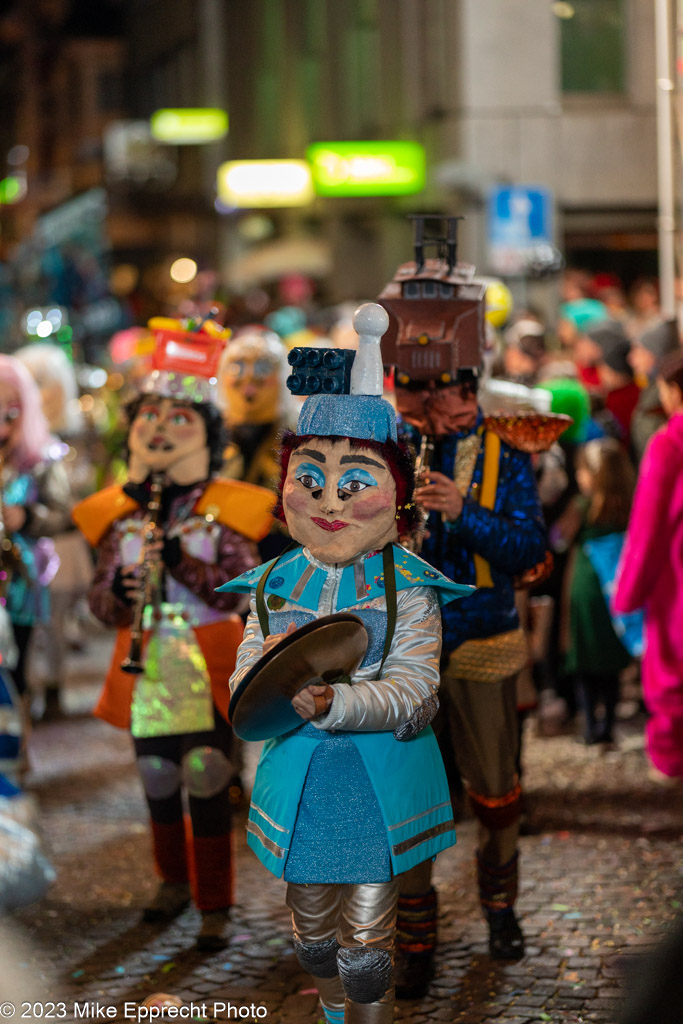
(438,410)
(168,436)
(339,501)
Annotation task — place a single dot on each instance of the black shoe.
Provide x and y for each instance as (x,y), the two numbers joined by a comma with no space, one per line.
(212,933)
(52,711)
(170,899)
(412,974)
(45,706)
(506,941)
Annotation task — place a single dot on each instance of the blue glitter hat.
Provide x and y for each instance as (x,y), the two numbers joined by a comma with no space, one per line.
(345,387)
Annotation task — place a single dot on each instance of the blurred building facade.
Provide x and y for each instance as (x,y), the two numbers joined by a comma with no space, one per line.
(527,92)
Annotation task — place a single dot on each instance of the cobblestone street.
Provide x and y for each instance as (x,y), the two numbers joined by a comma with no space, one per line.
(601,881)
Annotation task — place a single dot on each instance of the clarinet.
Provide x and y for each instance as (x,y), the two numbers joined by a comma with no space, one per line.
(423,464)
(148,581)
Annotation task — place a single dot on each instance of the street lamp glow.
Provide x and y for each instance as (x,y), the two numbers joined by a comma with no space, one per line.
(183,270)
(264,183)
(186,126)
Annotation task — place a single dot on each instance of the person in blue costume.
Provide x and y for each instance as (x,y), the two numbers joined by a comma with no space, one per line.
(485,527)
(35,503)
(357,793)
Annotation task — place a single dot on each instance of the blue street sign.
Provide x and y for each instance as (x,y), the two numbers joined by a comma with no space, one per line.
(520,223)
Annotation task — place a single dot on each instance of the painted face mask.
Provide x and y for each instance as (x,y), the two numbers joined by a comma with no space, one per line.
(168,436)
(438,411)
(251,378)
(339,501)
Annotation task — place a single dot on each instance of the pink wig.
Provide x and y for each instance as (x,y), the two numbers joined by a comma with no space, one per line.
(34,433)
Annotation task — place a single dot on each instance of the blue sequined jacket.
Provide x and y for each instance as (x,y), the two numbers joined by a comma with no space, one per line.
(511,537)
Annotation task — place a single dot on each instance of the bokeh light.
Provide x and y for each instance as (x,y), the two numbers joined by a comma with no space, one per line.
(183,270)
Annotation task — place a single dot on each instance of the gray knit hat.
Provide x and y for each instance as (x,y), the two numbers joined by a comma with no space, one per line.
(662,339)
(615,345)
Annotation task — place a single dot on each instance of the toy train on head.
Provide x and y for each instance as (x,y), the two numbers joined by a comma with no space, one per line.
(436,308)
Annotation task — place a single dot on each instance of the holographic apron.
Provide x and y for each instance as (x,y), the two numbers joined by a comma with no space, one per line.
(172,696)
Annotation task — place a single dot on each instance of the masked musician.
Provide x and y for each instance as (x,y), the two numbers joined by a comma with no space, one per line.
(484,527)
(35,505)
(335,809)
(176,524)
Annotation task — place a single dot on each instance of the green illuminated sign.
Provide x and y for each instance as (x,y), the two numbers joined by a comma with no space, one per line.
(184,126)
(367,168)
(11,190)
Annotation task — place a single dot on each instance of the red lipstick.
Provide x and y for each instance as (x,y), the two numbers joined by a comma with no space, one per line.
(325,525)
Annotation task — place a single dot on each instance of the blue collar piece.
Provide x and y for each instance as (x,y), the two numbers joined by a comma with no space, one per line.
(299,578)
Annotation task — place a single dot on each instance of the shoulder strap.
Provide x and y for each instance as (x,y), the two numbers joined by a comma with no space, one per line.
(487,499)
(390,592)
(389,589)
(261,609)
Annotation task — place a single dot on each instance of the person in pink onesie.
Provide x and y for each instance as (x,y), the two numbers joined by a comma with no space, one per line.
(650,574)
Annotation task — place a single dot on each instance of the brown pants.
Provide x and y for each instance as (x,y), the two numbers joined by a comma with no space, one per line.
(481,721)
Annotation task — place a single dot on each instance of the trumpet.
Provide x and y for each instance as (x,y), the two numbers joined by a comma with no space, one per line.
(11,561)
(423,464)
(148,580)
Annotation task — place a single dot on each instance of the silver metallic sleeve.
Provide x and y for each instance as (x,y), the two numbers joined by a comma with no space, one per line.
(410,675)
(250,650)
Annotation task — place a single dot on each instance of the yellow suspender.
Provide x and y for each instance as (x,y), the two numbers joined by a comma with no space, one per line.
(487,498)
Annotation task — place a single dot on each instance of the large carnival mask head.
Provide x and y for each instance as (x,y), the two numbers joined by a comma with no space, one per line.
(347,483)
(439,410)
(10,416)
(339,499)
(251,376)
(168,436)
(55,376)
(24,434)
(168,432)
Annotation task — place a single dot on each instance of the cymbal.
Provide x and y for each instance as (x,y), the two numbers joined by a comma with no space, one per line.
(320,651)
(528,430)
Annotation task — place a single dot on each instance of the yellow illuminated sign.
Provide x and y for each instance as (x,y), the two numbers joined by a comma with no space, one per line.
(367,168)
(262,183)
(184,126)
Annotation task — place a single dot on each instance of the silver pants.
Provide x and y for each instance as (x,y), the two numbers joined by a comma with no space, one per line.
(357,916)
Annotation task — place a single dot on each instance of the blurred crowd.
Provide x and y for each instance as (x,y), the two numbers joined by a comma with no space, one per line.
(611,361)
